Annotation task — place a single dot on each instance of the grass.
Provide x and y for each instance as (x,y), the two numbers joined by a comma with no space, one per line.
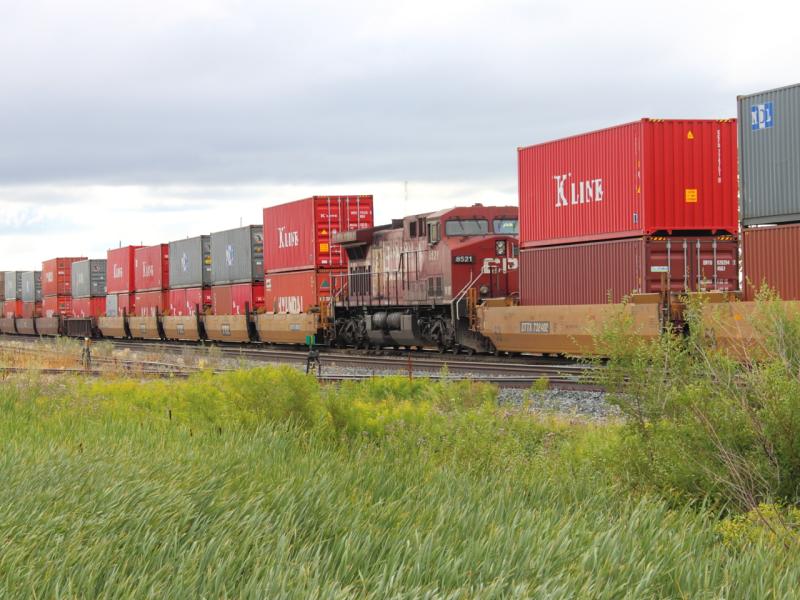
(261,484)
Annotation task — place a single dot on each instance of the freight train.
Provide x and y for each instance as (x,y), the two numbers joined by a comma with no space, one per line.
(647,211)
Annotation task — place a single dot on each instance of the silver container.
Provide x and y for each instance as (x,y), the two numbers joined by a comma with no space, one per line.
(32,286)
(89,278)
(13,285)
(112,305)
(769,156)
(237,255)
(190,262)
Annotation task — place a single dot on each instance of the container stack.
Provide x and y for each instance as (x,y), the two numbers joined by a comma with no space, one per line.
(237,270)
(57,286)
(646,207)
(12,303)
(769,171)
(31,294)
(302,266)
(89,288)
(190,276)
(120,298)
(151,280)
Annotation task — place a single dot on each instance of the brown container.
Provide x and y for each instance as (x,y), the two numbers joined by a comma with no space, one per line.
(600,272)
(769,256)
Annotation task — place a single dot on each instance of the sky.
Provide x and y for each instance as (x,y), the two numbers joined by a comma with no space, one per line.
(144,122)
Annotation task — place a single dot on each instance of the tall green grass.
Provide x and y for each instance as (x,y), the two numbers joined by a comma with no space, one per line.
(262,484)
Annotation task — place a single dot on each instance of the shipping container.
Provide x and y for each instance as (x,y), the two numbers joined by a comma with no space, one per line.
(186,301)
(151,268)
(600,272)
(13,285)
(89,307)
(31,310)
(650,176)
(151,304)
(190,262)
(12,308)
(57,276)
(112,305)
(237,299)
(297,291)
(769,156)
(55,306)
(237,255)
(118,305)
(2,286)
(120,270)
(89,278)
(32,286)
(297,235)
(770,256)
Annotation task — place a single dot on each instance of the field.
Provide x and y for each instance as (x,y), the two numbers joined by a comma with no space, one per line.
(263,484)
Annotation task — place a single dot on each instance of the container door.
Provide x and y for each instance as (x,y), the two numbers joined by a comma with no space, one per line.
(669,265)
(715,264)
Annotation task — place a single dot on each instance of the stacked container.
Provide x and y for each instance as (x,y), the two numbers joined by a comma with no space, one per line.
(190,276)
(769,171)
(32,294)
(237,270)
(89,288)
(649,206)
(12,303)
(57,286)
(302,266)
(120,286)
(151,280)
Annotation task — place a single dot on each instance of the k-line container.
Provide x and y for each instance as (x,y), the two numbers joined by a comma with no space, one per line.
(297,235)
(151,304)
(89,307)
(237,255)
(151,268)
(237,299)
(190,262)
(650,176)
(297,291)
(57,276)
(57,306)
(601,272)
(89,278)
(12,308)
(120,270)
(32,286)
(187,301)
(770,256)
(31,310)
(13,285)
(769,156)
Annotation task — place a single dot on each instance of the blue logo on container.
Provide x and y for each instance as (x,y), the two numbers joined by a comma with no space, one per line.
(230,255)
(761,116)
(185,262)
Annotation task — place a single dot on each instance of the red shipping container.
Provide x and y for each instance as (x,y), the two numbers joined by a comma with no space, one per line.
(12,308)
(297,235)
(31,310)
(185,301)
(770,256)
(151,268)
(151,304)
(54,306)
(83,308)
(600,272)
(57,276)
(297,291)
(232,299)
(650,176)
(120,270)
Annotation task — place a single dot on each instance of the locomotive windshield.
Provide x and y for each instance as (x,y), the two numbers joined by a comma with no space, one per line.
(461,227)
(506,226)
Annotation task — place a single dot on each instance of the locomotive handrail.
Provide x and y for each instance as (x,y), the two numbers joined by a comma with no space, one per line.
(462,294)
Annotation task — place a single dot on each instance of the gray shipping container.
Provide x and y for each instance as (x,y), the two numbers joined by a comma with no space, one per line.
(13,285)
(112,304)
(769,156)
(237,255)
(190,262)
(89,278)
(2,285)
(32,286)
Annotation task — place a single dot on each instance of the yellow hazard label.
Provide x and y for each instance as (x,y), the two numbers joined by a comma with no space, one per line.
(690,135)
(323,247)
(691,195)
(324,232)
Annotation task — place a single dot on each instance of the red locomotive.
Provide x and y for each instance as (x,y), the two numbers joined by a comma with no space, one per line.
(415,282)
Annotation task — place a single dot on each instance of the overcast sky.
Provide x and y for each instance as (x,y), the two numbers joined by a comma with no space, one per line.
(148,121)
